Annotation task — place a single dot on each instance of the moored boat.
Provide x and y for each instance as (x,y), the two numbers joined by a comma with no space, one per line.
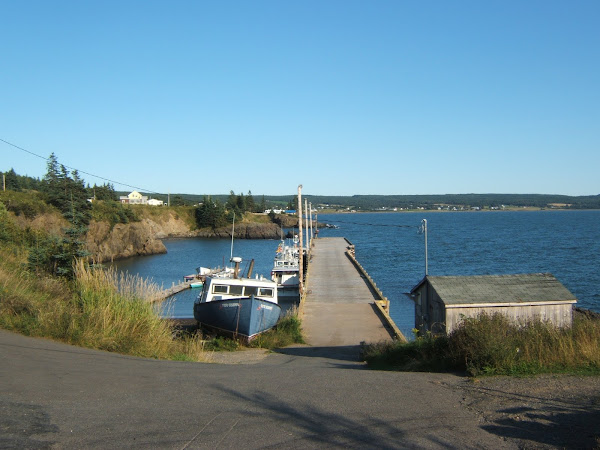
(286,268)
(236,305)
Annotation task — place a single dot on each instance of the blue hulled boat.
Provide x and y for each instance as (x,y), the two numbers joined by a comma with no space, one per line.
(240,306)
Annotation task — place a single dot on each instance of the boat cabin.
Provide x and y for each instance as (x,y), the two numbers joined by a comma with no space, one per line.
(216,288)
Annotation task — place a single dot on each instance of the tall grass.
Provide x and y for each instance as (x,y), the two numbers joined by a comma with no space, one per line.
(494,346)
(100,309)
(288,331)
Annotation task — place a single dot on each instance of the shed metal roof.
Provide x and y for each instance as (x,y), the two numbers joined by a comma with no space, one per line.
(481,289)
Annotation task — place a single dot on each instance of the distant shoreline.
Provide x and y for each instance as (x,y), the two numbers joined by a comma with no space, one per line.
(486,210)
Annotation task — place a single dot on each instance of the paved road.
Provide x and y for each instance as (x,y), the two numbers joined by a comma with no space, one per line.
(59,396)
(338,310)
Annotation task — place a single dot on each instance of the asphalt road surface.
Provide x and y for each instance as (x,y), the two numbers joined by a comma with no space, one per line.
(58,396)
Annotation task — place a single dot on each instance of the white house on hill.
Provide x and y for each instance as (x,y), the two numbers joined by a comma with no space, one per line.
(134,198)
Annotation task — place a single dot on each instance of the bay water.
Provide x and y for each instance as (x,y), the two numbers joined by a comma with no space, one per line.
(391,248)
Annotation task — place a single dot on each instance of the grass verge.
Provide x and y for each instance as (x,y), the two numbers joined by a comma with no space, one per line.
(491,345)
(100,309)
(288,331)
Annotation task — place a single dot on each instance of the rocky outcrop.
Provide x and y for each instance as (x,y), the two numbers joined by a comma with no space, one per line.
(245,231)
(123,240)
(286,220)
(144,238)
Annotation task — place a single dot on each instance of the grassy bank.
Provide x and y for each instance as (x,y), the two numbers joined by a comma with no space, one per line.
(490,345)
(95,308)
(99,309)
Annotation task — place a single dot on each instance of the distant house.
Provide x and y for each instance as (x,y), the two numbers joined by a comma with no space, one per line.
(134,198)
(155,202)
(441,302)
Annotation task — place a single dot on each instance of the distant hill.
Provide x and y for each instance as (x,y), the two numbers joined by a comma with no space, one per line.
(428,202)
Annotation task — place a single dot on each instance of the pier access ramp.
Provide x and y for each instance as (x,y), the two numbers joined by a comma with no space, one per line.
(339,305)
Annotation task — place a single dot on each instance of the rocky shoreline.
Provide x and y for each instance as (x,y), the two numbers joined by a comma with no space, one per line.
(106,243)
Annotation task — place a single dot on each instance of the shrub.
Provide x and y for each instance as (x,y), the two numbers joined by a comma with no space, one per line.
(113,212)
(492,345)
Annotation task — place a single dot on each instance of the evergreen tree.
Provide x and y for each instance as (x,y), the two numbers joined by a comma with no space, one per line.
(178,200)
(263,204)
(104,192)
(12,181)
(210,214)
(292,204)
(231,201)
(241,204)
(63,189)
(51,181)
(250,205)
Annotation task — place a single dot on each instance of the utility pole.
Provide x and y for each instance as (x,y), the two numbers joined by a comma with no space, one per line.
(306,225)
(301,254)
(3,181)
(311,224)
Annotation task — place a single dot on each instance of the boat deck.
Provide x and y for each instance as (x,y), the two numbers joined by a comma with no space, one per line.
(339,305)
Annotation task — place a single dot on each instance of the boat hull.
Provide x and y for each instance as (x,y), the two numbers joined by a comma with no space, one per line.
(246,317)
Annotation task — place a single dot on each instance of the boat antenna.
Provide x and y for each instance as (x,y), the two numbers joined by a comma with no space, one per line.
(232,233)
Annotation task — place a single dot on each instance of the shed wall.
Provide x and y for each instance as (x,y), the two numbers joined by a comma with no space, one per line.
(559,315)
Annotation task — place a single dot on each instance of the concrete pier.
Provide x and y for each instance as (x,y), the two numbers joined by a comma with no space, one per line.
(175,289)
(339,306)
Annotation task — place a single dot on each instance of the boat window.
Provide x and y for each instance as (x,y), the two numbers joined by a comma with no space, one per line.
(250,290)
(265,292)
(235,290)
(220,289)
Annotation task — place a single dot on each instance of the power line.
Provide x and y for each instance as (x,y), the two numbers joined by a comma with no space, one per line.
(149,191)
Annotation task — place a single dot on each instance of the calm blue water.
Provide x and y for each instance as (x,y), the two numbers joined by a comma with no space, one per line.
(185,255)
(564,243)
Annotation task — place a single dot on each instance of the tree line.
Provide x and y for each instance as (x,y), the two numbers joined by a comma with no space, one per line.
(213,213)
(67,192)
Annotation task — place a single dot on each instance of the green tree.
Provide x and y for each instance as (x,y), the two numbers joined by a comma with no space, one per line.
(104,192)
(263,204)
(12,180)
(56,255)
(231,201)
(241,204)
(178,200)
(210,214)
(250,204)
(292,204)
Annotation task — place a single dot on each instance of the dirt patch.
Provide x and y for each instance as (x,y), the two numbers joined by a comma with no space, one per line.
(246,356)
(549,411)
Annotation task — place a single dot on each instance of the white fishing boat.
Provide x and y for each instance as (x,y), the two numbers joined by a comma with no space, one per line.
(286,268)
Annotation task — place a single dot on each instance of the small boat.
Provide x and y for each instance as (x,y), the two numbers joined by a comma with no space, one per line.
(286,268)
(236,305)
(196,284)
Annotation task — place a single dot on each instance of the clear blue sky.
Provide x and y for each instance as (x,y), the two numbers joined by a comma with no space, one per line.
(345,97)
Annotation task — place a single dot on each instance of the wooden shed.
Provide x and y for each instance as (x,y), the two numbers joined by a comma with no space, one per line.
(441,302)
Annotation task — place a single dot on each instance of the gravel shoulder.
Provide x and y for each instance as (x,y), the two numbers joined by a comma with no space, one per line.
(543,412)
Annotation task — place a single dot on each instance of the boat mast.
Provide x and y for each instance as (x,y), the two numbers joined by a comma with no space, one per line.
(300,254)
(232,233)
